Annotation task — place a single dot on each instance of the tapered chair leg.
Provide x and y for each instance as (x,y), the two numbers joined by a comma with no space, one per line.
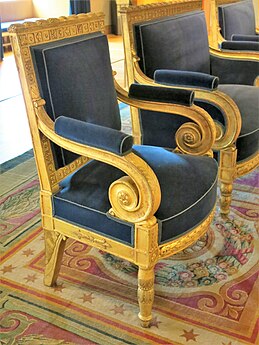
(54,248)
(146,279)
(227,172)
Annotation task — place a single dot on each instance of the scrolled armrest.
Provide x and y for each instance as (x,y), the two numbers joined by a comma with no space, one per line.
(187,79)
(250,38)
(161,94)
(93,135)
(240,45)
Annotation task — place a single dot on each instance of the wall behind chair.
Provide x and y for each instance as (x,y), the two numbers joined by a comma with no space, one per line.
(57,8)
(16,10)
(50,8)
(105,7)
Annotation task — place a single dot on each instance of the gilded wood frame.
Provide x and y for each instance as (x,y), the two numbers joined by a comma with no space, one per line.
(225,138)
(134,198)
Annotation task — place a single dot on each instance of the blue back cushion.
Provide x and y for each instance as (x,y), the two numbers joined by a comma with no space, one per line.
(176,42)
(75,79)
(237,18)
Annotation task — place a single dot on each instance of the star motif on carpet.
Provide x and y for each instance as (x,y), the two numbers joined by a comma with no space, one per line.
(87,297)
(118,309)
(154,322)
(31,278)
(8,269)
(28,252)
(59,287)
(189,335)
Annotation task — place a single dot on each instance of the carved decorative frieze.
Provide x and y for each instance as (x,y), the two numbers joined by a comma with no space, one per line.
(246,167)
(99,242)
(43,31)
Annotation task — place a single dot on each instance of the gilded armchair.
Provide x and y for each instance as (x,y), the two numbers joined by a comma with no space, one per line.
(167,44)
(141,203)
(233,27)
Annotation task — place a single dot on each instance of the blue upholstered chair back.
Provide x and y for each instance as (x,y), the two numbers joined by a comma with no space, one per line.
(237,18)
(177,42)
(75,79)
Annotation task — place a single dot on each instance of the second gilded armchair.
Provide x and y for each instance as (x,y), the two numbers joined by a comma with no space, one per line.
(233,26)
(167,44)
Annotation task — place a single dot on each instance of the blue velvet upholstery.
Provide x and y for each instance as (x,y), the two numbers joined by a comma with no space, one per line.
(158,129)
(94,135)
(161,44)
(243,95)
(73,94)
(248,38)
(83,200)
(174,51)
(232,71)
(187,79)
(161,94)
(186,201)
(182,173)
(240,45)
(237,18)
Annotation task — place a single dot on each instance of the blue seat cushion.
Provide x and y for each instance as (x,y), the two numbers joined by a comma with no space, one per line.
(188,188)
(237,18)
(247,99)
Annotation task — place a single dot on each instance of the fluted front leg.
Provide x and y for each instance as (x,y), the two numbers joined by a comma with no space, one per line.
(225,197)
(54,248)
(227,174)
(145,295)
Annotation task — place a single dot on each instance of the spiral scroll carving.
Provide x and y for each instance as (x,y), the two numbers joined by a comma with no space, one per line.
(189,139)
(126,202)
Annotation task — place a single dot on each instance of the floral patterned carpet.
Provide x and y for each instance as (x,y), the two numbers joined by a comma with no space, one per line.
(207,294)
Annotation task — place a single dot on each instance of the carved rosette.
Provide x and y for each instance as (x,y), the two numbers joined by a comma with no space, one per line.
(135,197)
(189,138)
(125,200)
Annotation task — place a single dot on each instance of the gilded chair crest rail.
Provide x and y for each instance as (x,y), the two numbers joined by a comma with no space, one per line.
(132,201)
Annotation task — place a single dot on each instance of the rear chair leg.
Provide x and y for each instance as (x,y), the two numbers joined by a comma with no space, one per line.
(227,173)
(54,248)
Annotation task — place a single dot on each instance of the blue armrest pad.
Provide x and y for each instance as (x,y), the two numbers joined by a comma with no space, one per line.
(161,94)
(186,78)
(93,135)
(240,45)
(250,38)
